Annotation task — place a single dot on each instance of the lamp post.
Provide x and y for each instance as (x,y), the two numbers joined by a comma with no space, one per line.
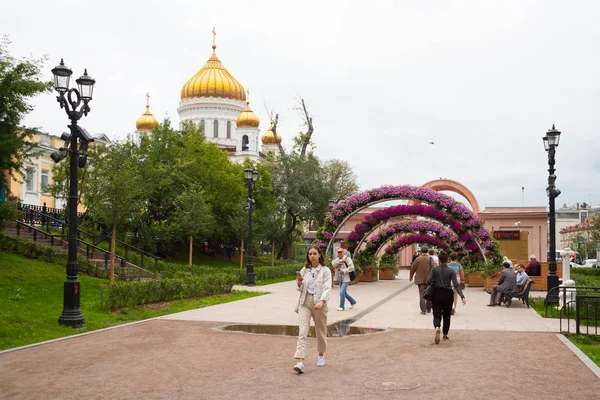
(251,178)
(550,144)
(75,102)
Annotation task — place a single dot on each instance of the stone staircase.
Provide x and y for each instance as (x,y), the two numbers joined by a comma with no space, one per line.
(93,254)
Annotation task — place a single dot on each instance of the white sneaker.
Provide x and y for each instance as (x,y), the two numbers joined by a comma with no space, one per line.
(299,368)
(320,361)
(437,335)
(341,309)
(352,306)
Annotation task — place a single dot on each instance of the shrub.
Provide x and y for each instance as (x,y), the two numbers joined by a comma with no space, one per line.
(130,294)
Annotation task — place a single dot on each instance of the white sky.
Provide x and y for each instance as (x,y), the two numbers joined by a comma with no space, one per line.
(484,80)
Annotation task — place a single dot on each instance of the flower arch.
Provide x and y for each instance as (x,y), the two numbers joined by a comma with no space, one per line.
(375,242)
(437,206)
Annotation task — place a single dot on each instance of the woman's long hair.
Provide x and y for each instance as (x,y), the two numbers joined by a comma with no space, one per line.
(321,258)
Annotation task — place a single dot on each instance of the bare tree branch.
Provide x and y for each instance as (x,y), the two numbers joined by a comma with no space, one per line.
(309,132)
(274,130)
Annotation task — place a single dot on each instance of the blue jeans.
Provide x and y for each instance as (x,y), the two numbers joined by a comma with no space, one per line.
(344,294)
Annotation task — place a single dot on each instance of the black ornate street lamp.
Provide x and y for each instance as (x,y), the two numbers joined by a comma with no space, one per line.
(550,144)
(76,104)
(251,178)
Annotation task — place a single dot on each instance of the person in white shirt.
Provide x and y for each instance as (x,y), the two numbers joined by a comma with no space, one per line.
(522,277)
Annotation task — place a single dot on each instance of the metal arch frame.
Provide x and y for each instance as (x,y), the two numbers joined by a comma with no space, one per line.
(381,223)
(329,245)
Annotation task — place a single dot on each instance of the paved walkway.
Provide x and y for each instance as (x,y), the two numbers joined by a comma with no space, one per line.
(389,304)
(183,356)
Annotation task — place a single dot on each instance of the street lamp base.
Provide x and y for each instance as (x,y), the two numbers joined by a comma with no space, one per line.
(250,279)
(71,314)
(72,318)
(552,283)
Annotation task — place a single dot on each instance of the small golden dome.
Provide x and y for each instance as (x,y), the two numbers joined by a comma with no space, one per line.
(213,80)
(147,121)
(247,118)
(269,138)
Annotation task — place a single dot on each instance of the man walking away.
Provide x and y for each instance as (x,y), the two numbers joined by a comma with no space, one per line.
(420,271)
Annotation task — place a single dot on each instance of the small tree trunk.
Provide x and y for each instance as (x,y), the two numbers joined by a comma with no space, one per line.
(113,239)
(242,255)
(273,254)
(191,248)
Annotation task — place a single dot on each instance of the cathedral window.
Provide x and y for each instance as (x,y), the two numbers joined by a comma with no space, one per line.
(216,129)
(245,143)
(202,125)
(228,129)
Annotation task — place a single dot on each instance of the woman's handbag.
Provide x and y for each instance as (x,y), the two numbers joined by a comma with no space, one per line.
(462,286)
(428,292)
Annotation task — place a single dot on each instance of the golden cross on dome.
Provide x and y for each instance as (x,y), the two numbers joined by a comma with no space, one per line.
(147,99)
(248,91)
(214,32)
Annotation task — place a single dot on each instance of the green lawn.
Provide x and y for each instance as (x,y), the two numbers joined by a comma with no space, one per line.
(31,300)
(590,345)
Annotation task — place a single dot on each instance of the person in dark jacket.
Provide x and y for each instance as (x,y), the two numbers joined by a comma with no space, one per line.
(506,283)
(443,278)
(534,268)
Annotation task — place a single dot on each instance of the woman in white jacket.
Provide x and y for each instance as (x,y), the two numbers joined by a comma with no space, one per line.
(314,285)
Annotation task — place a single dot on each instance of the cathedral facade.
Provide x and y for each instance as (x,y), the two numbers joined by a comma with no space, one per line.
(213,99)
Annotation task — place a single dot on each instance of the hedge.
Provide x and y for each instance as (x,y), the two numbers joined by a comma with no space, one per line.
(173,270)
(128,294)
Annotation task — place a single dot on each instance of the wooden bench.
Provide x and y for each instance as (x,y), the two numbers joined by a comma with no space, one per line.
(541,281)
(523,295)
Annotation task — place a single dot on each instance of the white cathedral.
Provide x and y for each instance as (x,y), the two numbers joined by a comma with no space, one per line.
(215,100)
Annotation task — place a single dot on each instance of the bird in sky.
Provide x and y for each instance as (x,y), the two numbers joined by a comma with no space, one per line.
(431,142)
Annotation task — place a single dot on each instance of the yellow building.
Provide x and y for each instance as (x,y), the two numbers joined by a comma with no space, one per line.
(31,188)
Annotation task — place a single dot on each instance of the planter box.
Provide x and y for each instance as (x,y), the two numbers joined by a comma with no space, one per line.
(367,277)
(475,280)
(387,274)
(490,281)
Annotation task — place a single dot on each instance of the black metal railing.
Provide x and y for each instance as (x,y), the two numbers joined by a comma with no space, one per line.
(31,216)
(89,250)
(580,309)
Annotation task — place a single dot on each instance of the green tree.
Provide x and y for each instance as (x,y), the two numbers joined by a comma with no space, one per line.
(340,178)
(174,160)
(20,80)
(299,182)
(115,190)
(59,188)
(192,217)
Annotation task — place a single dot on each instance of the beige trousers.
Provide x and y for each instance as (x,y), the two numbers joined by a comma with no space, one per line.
(320,317)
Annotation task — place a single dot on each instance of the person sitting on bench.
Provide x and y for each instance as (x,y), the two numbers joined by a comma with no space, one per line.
(534,268)
(522,277)
(506,283)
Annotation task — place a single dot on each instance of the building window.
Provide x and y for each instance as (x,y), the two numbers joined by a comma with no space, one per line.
(228,129)
(216,129)
(30,179)
(45,180)
(245,143)
(202,125)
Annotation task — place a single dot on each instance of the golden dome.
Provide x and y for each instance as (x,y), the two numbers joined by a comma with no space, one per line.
(247,118)
(269,138)
(213,80)
(147,121)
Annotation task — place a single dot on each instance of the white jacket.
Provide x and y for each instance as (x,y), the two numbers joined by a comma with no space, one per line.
(344,270)
(322,284)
